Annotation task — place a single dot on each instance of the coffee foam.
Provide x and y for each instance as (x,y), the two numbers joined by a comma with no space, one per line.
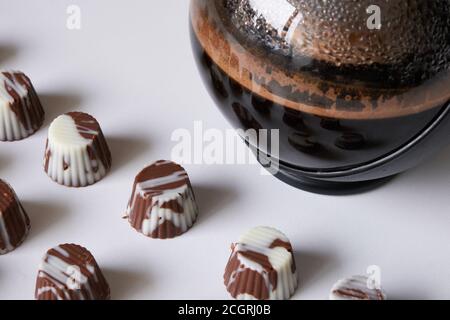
(306,91)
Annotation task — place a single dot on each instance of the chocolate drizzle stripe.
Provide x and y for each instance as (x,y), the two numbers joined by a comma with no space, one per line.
(352,293)
(162,182)
(173,205)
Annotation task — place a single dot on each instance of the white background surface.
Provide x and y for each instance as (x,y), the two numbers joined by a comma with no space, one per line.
(131,67)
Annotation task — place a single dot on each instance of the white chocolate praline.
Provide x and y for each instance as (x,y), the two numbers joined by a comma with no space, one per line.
(356,288)
(16,90)
(71,159)
(271,243)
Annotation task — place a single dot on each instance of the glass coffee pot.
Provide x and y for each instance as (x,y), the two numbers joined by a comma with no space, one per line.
(358,91)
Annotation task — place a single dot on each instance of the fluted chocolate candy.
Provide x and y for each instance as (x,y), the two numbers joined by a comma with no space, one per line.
(76,154)
(162,204)
(14,222)
(21,112)
(70,272)
(355,288)
(261,266)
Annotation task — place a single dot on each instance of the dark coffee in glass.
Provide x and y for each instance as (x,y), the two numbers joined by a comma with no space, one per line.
(355,102)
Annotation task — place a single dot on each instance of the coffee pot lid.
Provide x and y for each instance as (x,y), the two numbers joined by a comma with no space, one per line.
(340,58)
(409,38)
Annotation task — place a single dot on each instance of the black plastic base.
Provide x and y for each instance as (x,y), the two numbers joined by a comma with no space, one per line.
(330,187)
(301,181)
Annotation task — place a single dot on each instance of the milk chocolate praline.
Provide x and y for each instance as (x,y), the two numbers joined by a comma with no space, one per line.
(70,272)
(162,204)
(261,266)
(14,221)
(21,112)
(357,288)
